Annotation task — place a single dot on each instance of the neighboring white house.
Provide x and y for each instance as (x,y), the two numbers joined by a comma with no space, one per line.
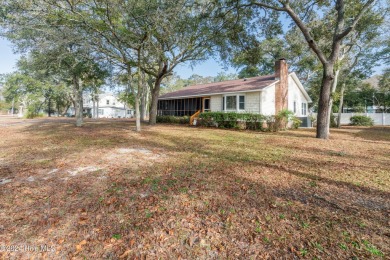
(265,95)
(106,105)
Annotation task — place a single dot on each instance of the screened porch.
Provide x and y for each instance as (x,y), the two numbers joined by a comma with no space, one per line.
(182,107)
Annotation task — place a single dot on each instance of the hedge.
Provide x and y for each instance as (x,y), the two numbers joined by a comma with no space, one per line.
(362,120)
(173,119)
(249,120)
(238,120)
(232,120)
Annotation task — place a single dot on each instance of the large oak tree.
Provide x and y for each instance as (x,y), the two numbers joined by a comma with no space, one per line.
(341,18)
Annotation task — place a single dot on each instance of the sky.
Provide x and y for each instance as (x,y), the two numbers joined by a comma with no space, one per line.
(208,68)
(7,57)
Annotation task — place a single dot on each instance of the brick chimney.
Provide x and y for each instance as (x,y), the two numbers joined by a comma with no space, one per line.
(281,88)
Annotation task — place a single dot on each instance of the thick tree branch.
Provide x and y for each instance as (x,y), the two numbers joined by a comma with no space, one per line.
(306,33)
(344,33)
(267,6)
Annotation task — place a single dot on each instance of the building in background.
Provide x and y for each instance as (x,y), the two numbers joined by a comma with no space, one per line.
(106,105)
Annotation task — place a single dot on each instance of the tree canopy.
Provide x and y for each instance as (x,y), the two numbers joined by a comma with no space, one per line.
(144,41)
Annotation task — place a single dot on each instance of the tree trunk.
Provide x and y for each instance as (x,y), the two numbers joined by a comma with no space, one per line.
(341,105)
(49,105)
(323,103)
(334,86)
(97,106)
(153,107)
(146,111)
(137,116)
(93,108)
(78,94)
(13,107)
(66,109)
(139,93)
(143,107)
(144,96)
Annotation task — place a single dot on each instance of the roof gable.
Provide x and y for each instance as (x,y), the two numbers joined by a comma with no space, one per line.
(300,86)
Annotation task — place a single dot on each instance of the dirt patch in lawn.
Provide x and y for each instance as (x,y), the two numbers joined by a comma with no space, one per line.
(105,191)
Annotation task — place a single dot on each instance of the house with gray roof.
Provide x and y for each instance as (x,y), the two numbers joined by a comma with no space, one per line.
(265,95)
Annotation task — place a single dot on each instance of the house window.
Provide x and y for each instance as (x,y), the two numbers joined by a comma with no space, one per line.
(242,102)
(304,109)
(236,102)
(129,112)
(206,104)
(295,107)
(231,102)
(101,111)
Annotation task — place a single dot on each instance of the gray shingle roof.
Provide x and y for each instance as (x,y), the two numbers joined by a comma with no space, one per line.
(237,85)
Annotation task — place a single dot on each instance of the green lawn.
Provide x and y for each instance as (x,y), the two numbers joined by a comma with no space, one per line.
(105,191)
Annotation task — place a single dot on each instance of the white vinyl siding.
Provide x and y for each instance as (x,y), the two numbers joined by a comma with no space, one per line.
(252,102)
(268,101)
(216,103)
(296,98)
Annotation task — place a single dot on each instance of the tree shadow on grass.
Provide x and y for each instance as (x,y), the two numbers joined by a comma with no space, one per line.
(375,134)
(193,206)
(180,144)
(179,208)
(199,145)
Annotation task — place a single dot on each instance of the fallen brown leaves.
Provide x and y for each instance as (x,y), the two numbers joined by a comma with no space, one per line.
(104,191)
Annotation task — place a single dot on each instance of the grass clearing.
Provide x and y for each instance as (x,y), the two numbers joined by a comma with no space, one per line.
(105,191)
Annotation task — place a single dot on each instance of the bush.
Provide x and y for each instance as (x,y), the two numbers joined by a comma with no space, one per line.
(281,120)
(32,113)
(173,119)
(232,120)
(313,119)
(296,122)
(249,121)
(362,120)
(333,120)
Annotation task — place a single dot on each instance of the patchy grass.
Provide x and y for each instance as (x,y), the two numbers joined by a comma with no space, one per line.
(105,191)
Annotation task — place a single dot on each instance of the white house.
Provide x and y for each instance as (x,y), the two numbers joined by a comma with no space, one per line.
(106,105)
(265,95)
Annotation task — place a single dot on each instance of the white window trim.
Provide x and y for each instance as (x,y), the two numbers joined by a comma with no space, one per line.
(304,109)
(295,107)
(237,102)
(204,102)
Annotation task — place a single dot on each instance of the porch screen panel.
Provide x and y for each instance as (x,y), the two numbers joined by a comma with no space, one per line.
(179,107)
